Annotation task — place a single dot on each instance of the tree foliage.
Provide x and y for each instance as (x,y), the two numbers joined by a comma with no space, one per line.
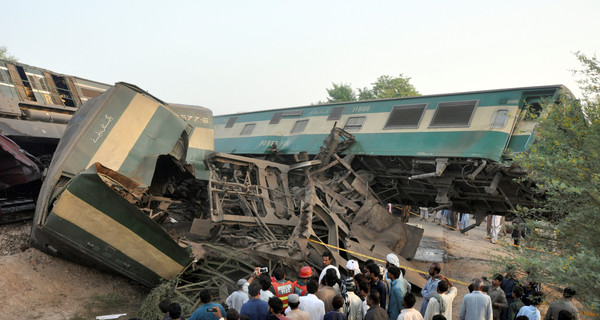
(340,93)
(385,87)
(564,161)
(5,55)
(390,87)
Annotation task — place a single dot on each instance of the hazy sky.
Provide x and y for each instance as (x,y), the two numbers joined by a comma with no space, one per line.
(235,56)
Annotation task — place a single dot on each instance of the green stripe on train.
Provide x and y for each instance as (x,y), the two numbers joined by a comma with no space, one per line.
(480,144)
(91,189)
(82,240)
(519,143)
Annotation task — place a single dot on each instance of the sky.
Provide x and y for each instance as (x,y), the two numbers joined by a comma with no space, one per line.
(239,56)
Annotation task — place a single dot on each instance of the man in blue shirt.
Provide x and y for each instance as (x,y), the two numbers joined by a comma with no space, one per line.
(396,292)
(255,308)
(430,288)
(202,312)
(377,284)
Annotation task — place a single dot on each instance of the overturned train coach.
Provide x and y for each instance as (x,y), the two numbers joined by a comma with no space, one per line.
(135,188)
(443,151)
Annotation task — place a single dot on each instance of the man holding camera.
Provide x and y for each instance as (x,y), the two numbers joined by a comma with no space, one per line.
(207,309)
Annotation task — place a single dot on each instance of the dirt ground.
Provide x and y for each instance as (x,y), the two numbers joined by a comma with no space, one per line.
(34,285)
(466,256)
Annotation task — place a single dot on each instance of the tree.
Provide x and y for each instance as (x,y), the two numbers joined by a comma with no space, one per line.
(564,161)
(340,93)
(389,87)
(385,87)
(366,94)
(5,55)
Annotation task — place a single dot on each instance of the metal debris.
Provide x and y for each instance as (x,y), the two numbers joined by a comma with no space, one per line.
(154,216)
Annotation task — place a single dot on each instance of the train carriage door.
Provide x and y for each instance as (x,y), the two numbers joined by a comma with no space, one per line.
(503,118)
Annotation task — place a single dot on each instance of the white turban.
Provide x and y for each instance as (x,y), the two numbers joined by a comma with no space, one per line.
(353,265)
(393,259)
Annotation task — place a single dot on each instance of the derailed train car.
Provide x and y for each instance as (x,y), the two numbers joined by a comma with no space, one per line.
(446,151)
(83,210)
(36,104)
(134,188)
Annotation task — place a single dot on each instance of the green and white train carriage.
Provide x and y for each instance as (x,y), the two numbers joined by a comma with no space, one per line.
(116,145)
(436,150)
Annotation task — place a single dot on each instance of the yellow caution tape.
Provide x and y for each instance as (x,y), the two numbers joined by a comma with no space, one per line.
(376,259)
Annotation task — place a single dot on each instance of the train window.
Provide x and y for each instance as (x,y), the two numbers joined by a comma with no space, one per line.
(278,115)
(336,113)
(453,114)
(36,82)
(276,118)
(43,84)
(4,76)
(299,126)
(407,116)
(354,123)
(499,119)
(248,129)
(231,122)
(64,92)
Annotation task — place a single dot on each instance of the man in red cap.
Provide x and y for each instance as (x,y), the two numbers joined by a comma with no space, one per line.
(305,274)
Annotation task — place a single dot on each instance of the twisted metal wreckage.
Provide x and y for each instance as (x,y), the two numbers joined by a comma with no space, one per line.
(134,188)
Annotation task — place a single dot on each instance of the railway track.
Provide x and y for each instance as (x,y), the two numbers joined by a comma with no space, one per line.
(16,210)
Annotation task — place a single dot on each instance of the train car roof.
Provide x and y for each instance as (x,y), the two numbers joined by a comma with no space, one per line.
(560,86)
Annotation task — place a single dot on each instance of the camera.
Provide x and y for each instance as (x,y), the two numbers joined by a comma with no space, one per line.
(211,309)
(263,270)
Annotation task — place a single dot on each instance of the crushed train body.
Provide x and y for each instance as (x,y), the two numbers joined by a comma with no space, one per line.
(135,188)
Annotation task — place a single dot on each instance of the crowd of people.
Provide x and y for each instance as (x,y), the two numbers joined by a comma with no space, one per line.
(506,299)
(373,292)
